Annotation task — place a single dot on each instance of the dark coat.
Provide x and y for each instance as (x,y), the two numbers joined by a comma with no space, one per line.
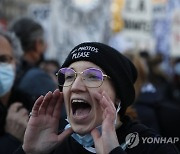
(70,146)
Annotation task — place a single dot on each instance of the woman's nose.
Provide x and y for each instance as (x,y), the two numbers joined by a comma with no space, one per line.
(78,84)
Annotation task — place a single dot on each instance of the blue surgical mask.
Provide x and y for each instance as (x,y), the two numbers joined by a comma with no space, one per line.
(86,140)
(7,76)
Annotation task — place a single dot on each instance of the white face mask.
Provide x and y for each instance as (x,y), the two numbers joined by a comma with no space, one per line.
(7,76)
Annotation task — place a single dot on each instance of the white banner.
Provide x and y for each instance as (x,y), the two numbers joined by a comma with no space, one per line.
(41,13)
(159,8)
(175,33)
(137,15)
(76,21)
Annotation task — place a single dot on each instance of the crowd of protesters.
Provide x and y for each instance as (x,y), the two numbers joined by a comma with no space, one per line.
(25,75)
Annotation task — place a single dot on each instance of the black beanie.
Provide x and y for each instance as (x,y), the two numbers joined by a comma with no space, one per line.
(122,72)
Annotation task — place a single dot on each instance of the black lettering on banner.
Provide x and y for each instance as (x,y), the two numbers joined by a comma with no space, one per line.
(159,9)
(142,6)
(137,25)
(138,6)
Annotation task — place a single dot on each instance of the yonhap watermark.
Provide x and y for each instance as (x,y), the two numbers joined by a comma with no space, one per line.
(133,140)
(160,140)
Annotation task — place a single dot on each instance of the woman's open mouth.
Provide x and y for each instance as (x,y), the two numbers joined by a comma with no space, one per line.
(80,108)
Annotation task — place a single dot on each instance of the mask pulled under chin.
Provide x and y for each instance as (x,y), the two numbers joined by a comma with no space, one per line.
(85,140)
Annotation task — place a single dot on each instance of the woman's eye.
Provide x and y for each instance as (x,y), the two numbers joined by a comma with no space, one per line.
(92,77)
(69,77)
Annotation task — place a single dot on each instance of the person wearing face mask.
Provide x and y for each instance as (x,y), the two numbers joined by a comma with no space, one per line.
(13,114)
(15,104)
(96,86)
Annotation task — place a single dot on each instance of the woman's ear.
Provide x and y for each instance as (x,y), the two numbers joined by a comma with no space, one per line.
(117,101)
(117,104)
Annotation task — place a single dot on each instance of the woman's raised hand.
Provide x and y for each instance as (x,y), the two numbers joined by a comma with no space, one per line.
(107,141)
(41,135)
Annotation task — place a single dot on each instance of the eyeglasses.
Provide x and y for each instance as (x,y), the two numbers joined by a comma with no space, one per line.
(92,77)
(5,59)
